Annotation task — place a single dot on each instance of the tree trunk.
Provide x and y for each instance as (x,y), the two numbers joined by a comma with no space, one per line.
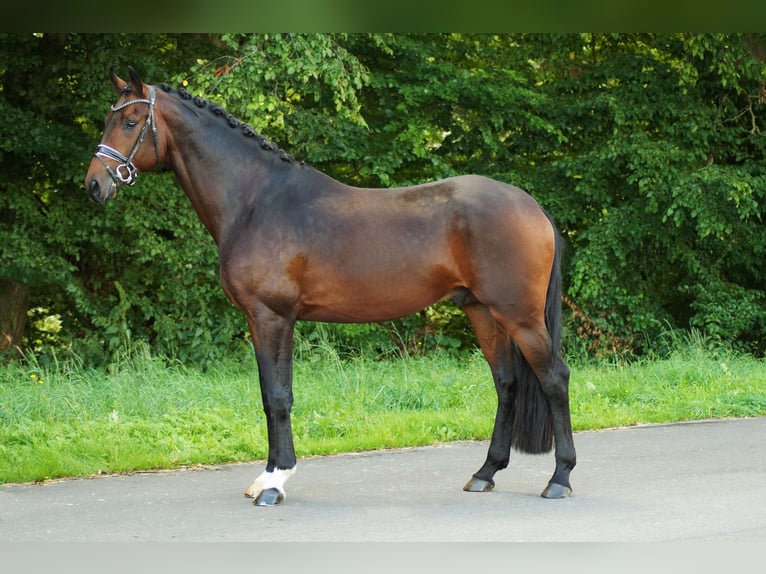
(14,300)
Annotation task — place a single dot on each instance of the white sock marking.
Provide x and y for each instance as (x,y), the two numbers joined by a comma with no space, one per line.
(274,479)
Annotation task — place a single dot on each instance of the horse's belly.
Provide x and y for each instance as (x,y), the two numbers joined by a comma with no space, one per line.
(370,305)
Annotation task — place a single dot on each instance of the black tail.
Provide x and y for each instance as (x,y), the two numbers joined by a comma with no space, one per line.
(531,421)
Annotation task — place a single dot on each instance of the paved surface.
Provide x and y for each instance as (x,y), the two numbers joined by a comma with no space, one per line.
(694,481)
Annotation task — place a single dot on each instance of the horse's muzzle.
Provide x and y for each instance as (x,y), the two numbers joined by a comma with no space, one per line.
(98,193)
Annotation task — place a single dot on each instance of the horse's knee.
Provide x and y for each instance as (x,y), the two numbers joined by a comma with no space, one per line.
(277,404)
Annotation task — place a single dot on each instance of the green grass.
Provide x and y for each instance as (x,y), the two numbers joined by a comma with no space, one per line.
(147,413)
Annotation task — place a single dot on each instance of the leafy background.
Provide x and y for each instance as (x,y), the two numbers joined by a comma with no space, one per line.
(648,149)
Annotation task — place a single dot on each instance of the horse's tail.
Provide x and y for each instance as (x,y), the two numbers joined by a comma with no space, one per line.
(531,420)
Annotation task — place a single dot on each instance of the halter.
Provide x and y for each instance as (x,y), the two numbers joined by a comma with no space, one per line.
(126,172)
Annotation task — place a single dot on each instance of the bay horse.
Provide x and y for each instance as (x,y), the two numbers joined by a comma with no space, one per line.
(296,245)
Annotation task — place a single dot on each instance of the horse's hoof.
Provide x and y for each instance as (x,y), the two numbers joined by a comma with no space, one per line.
(479,485)
(269,497)
(554,490)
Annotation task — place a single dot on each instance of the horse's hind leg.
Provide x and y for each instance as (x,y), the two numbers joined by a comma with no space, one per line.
(496,346)
(552,373)
(540,375)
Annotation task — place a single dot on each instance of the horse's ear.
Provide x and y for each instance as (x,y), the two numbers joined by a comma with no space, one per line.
(135,81)
(119,84)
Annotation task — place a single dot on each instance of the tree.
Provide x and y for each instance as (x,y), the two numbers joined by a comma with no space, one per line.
(648,150)
(71,256)
(660,185)
(14,298)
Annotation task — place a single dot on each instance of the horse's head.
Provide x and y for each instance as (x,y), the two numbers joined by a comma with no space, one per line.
(121,155)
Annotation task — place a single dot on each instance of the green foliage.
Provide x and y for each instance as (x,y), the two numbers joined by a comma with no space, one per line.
(660,186)
(110,274)
(301,90)
(648,149)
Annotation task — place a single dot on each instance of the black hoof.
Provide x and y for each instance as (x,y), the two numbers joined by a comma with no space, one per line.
(554,490)
(269,497)
(479,485)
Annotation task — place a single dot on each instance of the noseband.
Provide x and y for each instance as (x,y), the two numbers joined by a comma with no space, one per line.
(126,172)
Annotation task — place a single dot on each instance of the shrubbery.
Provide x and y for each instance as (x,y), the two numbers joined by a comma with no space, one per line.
(648,150)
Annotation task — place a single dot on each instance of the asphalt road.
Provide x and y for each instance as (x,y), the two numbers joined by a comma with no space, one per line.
(703,481)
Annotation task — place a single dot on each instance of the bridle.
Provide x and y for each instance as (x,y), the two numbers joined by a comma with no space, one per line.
(126,172)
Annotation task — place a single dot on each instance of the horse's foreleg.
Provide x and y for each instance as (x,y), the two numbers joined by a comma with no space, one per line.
(273,342)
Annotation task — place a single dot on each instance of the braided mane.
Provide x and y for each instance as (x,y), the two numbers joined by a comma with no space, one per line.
(232,121)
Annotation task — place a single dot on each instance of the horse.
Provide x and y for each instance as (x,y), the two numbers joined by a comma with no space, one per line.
(295,244)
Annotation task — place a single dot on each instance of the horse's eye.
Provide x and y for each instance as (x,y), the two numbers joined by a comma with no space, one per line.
(130,124)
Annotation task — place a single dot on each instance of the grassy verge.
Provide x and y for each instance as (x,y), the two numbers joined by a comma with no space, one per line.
(146,413)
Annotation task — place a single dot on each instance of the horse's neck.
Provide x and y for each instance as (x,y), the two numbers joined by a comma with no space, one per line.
(211,179)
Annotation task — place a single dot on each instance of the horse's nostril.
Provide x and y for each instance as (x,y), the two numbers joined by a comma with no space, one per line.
(94,189)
